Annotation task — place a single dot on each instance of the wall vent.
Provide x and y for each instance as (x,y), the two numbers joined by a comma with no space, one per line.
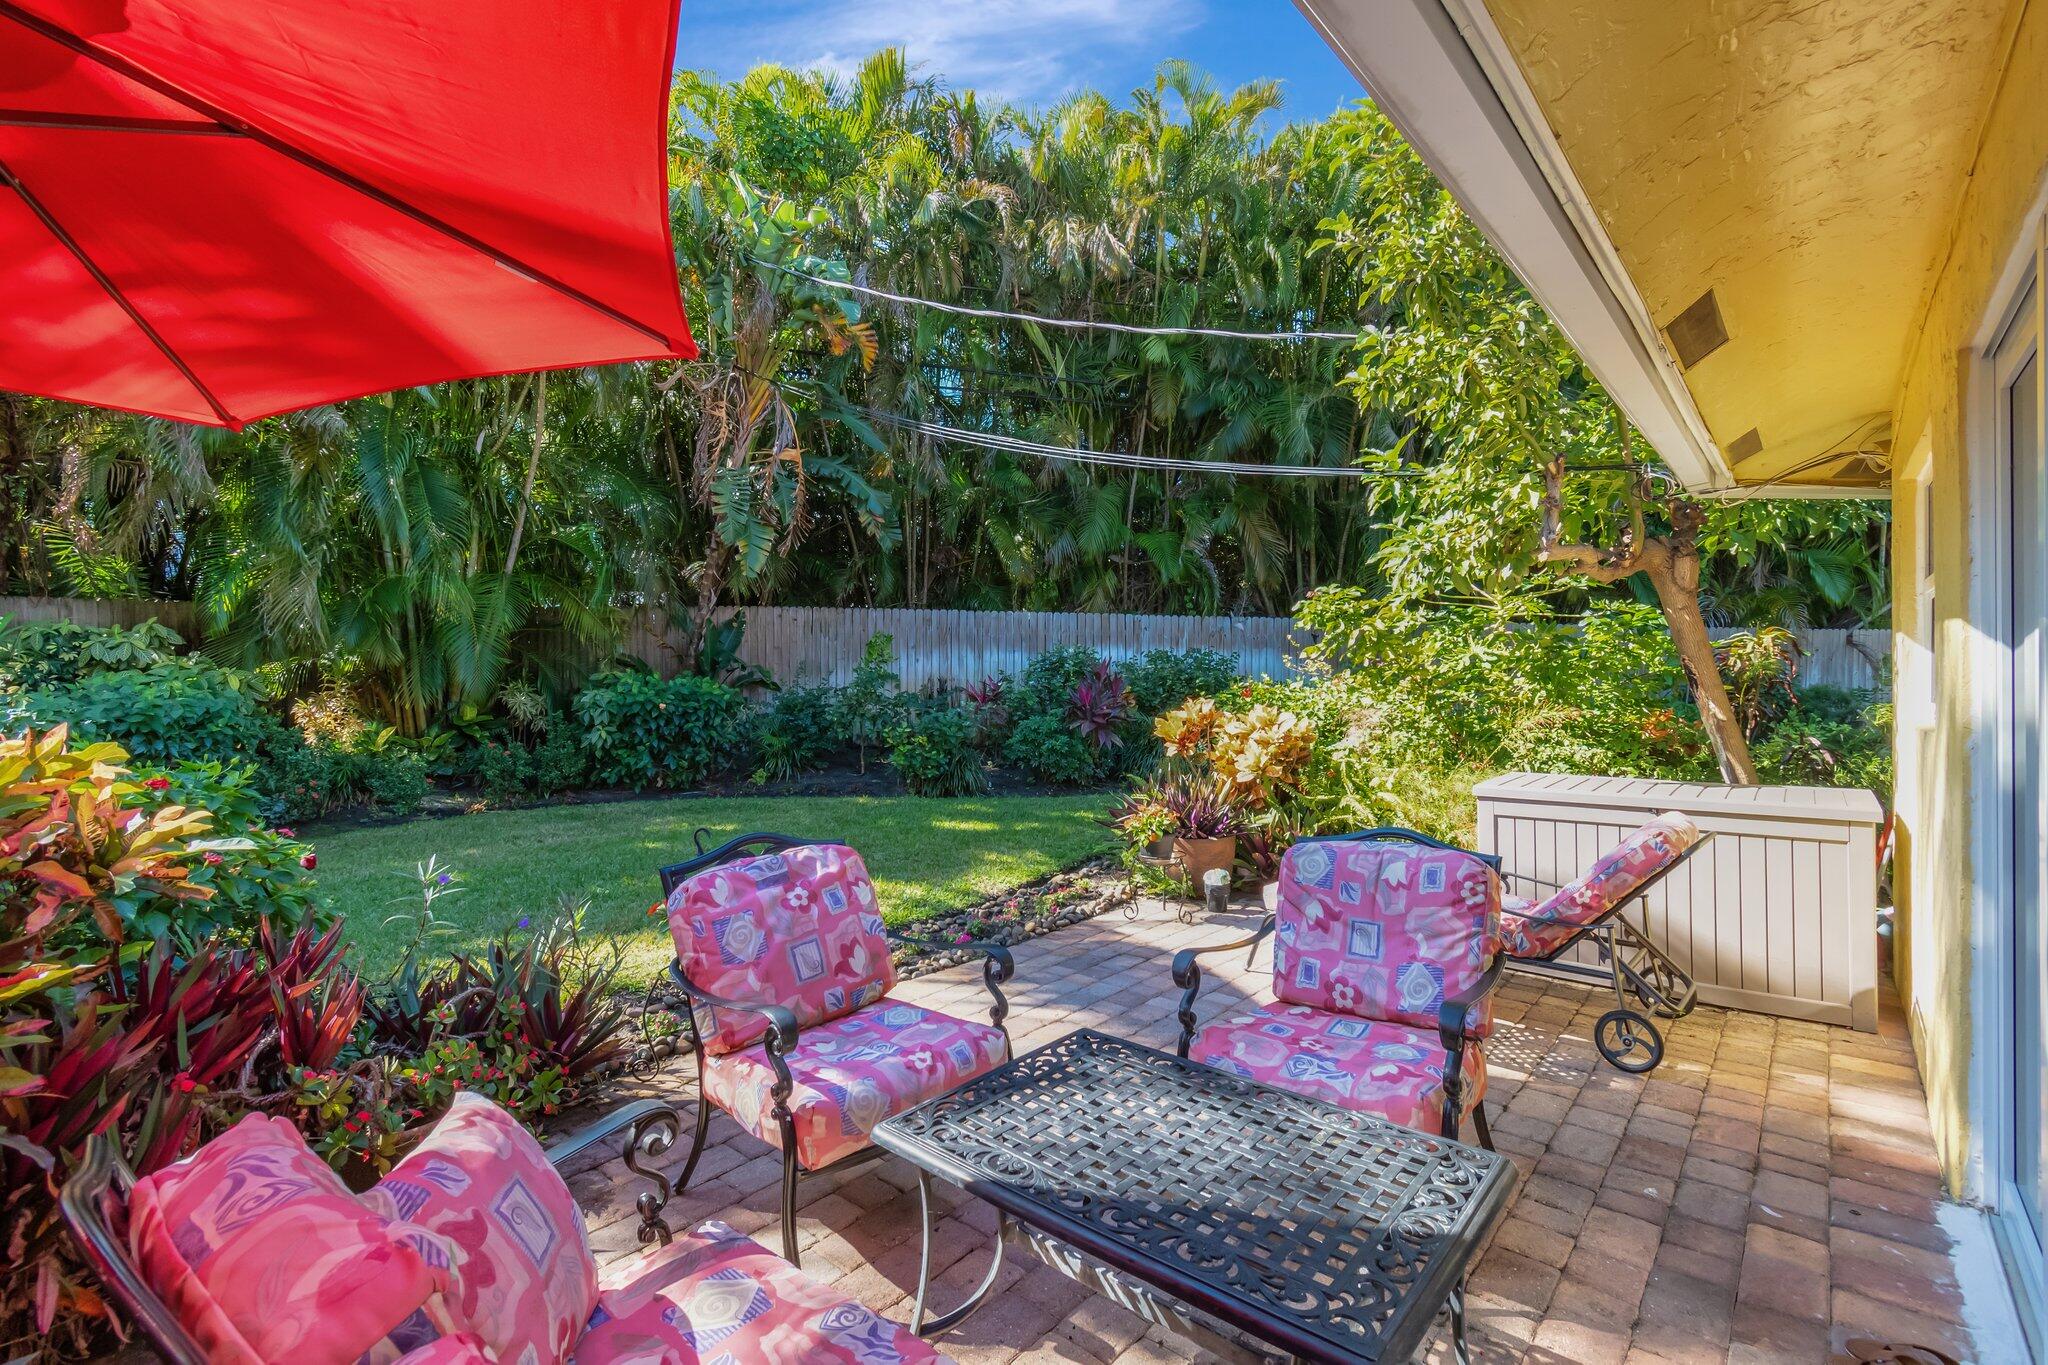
(1698,332)
(1749,443)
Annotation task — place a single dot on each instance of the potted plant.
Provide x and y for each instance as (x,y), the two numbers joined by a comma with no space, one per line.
(1204,831)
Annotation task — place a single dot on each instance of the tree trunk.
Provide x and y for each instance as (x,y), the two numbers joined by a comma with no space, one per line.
(710,585)
(1672,563)
(1678,598)
(540,427)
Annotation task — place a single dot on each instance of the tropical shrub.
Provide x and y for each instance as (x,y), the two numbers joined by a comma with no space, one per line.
(254,867)
(330,716)
(800,732)
(989,699)
(1100,707)
(870,706)
(1049,748)
(170,712)
(1830,738)
(510,769)
(643,731)
(36,654)
(1510,684)
(324,779)
(102,1033)
(1758,666)
(1046,684)
(937,753)
(1161,679)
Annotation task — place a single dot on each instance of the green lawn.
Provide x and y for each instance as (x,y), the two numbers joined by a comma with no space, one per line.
(926,856)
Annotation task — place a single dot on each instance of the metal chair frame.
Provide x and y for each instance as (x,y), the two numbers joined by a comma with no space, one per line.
(1452,1015)
(783,1030)
(1629,962)
(94,1202)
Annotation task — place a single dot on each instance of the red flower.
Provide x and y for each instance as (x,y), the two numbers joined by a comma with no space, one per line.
(309,862)
(213,860)
(158,784)
(284,833)
(183,1083)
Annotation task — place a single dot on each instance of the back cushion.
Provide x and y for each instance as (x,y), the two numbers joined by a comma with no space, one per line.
(522,1279)
(264,1255)
(1384,929)
(799,929)
(1621,871)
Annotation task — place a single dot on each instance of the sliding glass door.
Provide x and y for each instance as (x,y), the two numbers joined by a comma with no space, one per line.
(2017,371)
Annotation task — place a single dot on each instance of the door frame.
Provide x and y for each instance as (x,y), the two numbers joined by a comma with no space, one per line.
(1994,762)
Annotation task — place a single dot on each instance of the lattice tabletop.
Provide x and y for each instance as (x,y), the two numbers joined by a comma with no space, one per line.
(1335,1235)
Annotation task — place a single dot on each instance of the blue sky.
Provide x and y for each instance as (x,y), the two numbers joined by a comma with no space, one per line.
(1028,51)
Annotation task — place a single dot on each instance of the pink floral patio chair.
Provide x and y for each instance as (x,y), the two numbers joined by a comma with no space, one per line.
(784,961)
(1384,963)
(470,1252)
(1646,980)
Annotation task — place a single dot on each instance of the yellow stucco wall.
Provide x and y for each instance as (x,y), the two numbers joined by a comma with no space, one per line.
(1932,425)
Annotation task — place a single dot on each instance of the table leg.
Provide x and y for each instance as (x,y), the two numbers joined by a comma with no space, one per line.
(1459,1351)
(949,1320)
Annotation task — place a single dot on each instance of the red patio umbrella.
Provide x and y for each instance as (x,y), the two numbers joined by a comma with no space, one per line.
(216,210)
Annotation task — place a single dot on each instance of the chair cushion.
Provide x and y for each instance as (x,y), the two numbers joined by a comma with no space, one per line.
(463,1348)
(1614,877)
(853,1072)
(263,1255)
(1384,929)
(1393,1070)
(799,928)
(715,1296)
(523,1278)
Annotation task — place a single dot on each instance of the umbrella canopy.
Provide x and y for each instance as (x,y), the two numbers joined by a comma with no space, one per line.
(216,210)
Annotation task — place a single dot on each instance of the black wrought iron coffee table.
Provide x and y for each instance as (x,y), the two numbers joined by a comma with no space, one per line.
(1220,1207)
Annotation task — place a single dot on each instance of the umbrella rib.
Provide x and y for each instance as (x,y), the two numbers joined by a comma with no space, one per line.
(70,244)
(122,66)
(102,123)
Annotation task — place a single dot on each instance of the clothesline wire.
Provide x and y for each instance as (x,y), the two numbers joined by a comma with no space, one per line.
(1121,459)
(1078,324)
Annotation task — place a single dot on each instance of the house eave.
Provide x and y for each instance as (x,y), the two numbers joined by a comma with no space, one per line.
(1441,73)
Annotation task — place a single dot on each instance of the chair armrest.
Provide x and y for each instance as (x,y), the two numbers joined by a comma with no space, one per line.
(996,968)
(782,1025)
(651,1128)
(1453,1014)
(1187,974)
(635,1116)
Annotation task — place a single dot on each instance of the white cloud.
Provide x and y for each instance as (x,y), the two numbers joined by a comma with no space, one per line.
(1028,51)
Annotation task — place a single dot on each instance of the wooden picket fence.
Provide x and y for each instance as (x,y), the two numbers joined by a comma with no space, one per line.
(955,648)
(960,648)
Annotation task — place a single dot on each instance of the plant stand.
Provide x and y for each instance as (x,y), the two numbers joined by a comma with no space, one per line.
(1175,874)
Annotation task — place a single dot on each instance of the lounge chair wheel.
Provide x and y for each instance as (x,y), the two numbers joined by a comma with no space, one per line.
(1628,1041)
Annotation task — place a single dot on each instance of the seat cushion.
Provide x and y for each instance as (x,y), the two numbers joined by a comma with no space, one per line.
(799,929)
(853,1072)
(1540,929)
(1384,929)
(713,1295)
(1393,1070)
(522,1279)
(264,1255)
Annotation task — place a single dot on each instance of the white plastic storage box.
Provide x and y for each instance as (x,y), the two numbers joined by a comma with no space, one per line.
(1777,913)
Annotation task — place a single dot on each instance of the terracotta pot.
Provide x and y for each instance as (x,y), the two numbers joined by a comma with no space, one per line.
(1198,856)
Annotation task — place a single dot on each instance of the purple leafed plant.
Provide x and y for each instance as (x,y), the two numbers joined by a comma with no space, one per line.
(1100,703)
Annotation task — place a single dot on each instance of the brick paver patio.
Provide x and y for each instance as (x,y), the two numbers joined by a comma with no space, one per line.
(1769,1191)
